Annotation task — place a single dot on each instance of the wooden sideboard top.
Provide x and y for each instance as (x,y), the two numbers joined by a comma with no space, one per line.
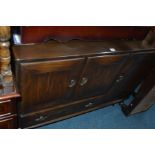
(54,49)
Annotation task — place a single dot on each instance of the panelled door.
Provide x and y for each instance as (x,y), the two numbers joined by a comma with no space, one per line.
(46,82)
(99,74)
(133,72)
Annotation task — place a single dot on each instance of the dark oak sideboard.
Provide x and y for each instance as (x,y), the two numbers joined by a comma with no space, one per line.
(58,80)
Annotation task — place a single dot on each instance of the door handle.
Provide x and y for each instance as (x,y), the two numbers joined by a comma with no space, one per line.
(89,104)
(72,83)
(120,78)
(40,118)
(83,81)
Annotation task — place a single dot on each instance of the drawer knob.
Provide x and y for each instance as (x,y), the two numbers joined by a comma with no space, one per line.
(84,81)
(89,104)
(72,83)
(41,118)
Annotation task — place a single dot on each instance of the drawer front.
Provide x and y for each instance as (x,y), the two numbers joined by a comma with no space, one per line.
(7,108)
(58,114)
(8,123)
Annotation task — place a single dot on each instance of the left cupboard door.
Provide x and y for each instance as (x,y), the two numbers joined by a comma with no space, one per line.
(47,83)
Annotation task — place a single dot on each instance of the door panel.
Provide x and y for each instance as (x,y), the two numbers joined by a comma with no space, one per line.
(48,83)
(99,74)
(133,72)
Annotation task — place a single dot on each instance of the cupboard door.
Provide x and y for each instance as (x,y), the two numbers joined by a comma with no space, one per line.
(48,83)
(100,74)
(133,72)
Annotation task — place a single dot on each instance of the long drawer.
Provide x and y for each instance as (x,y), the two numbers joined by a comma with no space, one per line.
(52,115)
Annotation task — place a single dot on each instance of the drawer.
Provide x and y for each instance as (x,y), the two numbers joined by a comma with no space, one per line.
(49,116)
(7,108)
(8,123)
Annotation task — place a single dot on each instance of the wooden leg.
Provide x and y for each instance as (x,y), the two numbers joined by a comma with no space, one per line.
(6,79)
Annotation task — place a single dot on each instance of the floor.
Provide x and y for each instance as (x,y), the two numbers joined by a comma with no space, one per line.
(107,118)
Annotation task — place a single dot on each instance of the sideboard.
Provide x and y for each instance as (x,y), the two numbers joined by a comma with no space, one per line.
(61,72)
(59,79)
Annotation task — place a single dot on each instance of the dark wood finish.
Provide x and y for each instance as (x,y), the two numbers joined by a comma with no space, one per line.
(53,49)
(133,72)
(7,108)
(44,73)
(34,34)
(8,123)
(49,115)
(8,112)
(50,80)
(97,72)
(7,96)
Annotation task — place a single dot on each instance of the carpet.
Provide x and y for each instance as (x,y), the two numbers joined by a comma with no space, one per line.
(110,117)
